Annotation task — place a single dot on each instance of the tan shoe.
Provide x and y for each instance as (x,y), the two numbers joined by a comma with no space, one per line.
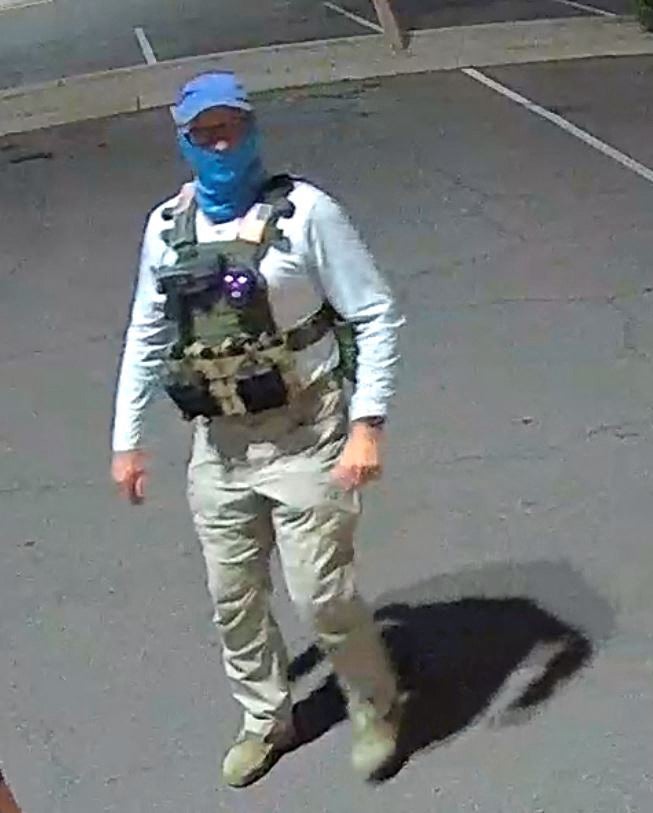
(251,757)
(374,737)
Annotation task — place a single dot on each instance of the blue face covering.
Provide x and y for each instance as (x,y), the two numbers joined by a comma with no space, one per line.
(228,182)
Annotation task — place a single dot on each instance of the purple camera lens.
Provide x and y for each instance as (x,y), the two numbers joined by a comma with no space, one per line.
(239,286)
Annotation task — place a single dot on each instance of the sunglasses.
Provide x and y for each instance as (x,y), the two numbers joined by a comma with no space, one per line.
(209,135)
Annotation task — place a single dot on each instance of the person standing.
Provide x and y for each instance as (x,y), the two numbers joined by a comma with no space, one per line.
(248,284)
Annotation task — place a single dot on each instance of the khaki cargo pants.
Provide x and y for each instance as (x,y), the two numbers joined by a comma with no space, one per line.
(260,480)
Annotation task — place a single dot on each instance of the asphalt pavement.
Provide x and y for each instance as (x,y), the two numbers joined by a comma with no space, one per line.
(507,550)
(58,38)
(68,37)
(419,14)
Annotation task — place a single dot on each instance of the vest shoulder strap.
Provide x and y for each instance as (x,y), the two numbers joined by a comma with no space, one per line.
(274,192)
(183,232)
(276,188)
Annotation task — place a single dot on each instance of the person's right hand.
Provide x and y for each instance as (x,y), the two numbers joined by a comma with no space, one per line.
(129,472)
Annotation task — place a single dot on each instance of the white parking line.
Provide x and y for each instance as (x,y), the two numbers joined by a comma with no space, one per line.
(616,155)
(143,87)
(146,46)
(10,5)
(585,7)
(355,17)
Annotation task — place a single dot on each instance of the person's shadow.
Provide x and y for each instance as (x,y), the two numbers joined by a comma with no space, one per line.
(472,645)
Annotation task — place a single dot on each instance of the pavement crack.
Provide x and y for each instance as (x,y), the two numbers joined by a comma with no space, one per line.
(629,343)
(499,457)
(46,352)
(480,208)
(622,431)
(614,300)
(45,488)
(34,156)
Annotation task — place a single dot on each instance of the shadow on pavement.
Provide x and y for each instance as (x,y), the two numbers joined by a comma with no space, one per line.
(478,643)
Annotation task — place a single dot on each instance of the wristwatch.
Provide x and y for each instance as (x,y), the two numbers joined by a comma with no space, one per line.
(375,421)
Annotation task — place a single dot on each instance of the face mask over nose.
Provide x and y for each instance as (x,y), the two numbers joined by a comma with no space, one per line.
(228,181)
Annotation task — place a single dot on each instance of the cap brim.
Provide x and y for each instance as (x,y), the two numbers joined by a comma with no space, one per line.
(183,118)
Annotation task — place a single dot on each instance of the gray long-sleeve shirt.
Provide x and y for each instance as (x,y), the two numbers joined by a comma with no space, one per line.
(327,259)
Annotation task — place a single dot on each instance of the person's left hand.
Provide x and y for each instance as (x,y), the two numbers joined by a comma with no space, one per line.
(360,461)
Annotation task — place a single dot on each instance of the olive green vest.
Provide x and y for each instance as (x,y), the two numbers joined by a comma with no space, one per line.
(228,359)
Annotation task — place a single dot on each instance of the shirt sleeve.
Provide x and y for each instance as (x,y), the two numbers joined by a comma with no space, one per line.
(352,283)
(148,337)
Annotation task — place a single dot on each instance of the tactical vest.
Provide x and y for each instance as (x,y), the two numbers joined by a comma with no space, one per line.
(230,358)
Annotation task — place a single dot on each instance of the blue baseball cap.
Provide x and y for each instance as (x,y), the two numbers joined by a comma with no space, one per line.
(220,89)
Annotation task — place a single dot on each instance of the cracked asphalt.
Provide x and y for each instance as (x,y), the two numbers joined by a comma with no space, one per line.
(508,549)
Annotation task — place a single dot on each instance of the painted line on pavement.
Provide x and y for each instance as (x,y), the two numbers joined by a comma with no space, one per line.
(148,54)
(15,5)
(146,46)
(355,17)
(318,62)
(616,155)
(585,7)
